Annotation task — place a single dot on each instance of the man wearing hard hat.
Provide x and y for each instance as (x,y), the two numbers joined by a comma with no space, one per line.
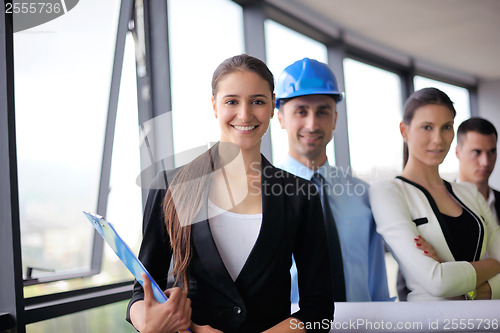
(306,97)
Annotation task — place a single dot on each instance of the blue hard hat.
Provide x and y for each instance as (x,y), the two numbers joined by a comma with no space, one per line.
(307,77)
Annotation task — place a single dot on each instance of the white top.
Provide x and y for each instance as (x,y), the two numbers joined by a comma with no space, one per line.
(234,235)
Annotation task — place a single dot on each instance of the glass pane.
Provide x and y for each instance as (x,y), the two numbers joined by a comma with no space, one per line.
(201,35)
(125,196)
(109,318)
(373,102)
(124,192)
(460,98)
(283,47)
(62,82)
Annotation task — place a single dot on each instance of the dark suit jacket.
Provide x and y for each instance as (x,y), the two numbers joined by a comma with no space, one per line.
(260,297)
(497,203)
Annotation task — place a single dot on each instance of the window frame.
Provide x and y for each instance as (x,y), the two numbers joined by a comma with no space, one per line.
(15,310)
(105,171)
(151,16)
(11,302)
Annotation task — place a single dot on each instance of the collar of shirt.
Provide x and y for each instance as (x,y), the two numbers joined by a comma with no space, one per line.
(295,167)
(491,195)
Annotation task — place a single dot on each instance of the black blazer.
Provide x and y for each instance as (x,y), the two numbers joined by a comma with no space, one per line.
(292,223)
(497,204)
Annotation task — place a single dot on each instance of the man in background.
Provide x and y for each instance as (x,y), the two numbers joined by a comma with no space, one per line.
(477,153)
(306,97)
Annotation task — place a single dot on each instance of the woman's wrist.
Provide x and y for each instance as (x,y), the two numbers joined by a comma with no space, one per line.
(484,291)
(137,315)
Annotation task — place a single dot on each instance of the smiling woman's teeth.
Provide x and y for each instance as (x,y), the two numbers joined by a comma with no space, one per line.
(244,128)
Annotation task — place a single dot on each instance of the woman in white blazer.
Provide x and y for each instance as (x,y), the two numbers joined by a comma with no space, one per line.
(442,234)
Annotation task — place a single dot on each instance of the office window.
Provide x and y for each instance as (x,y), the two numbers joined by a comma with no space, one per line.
(374,111)
(63,71)
(107,318)
(283,47)
(461,100)
(197,47)
(62,100)
(124,208)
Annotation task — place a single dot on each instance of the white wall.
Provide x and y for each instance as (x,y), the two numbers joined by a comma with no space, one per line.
(489,108)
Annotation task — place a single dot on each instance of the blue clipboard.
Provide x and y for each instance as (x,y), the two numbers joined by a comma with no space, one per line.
(134,265)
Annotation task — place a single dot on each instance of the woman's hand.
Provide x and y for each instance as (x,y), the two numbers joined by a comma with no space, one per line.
(485,268)
(484,291)
(290,324)
(151,316)
(203,329)
(429,251)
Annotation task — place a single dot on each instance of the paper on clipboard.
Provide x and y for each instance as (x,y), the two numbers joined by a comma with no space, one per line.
(134,265)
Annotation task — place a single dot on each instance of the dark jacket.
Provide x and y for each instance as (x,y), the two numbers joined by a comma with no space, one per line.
(292,223)
(497,204)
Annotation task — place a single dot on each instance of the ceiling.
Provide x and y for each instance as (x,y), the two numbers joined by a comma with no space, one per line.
(460,36)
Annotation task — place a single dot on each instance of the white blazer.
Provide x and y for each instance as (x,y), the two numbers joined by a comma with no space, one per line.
(403,210)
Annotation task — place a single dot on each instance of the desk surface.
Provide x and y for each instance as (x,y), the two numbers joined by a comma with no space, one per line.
(430,317)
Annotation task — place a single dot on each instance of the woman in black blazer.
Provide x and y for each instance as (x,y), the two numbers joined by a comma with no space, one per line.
(231,222)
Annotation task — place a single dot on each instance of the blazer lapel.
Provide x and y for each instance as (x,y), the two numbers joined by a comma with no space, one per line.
(452,245)
(271,231)
(480,243)
(204,245)
(273,224)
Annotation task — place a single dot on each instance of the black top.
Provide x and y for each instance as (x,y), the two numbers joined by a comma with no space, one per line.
(260,296)
(464,230)
(453,245)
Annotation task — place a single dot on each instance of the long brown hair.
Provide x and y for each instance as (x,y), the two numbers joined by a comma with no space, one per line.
(187,192)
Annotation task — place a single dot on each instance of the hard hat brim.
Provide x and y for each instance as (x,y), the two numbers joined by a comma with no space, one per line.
(304,92)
